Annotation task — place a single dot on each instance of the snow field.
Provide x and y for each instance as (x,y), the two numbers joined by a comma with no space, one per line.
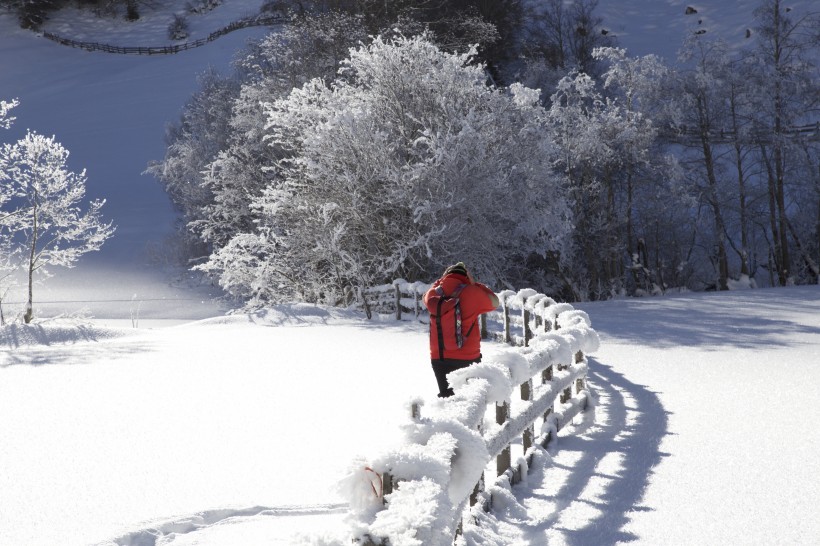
(702,431)
(97,437)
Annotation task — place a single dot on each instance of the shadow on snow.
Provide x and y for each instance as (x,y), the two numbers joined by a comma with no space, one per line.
(747,319)
(635,426)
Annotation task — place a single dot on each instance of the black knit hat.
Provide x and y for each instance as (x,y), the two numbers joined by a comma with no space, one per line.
(459,268)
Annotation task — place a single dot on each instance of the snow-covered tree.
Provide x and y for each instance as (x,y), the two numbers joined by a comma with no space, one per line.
(702,109)
(607,150)
(217,163)
(635,88)
(9,253)
(408,161)
(195,141)
(43,215)
(5,107)
(788,95)
(559,35)
(311,47)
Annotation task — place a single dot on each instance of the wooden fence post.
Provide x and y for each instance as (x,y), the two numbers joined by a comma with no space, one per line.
(507,336)
(566,396)
(398,302)
(387,485)
(546,377)
(415,411)
(525,315)
(479,487)
(579,383)
(504,459)
(529,432)
(363,297)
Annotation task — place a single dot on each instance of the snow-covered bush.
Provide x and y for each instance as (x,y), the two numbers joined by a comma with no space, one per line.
(216,162)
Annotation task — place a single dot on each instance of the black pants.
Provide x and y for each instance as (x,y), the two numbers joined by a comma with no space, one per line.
(441,367)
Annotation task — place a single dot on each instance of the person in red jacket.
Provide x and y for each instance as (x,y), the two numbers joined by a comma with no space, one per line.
(455,336)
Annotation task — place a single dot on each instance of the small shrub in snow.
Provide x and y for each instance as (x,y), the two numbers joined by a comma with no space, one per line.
(201,6)
(131,10)
(178,29)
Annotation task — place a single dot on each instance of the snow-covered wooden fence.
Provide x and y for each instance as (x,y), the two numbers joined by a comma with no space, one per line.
(168,49)
(513,402)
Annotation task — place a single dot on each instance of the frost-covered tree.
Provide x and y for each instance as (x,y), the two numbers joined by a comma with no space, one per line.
(310,48)
(5,107)
(193,143)
(607,150)
(635,89)
(702,109)
(742,117)
(788,95)
(217,163)
(44,215)
(455,25)
(406,162)
(9,253)
(556,36)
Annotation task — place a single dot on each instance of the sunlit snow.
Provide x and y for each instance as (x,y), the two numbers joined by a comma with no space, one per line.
(151,414)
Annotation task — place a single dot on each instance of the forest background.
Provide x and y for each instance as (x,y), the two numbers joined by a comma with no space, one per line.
(364,141)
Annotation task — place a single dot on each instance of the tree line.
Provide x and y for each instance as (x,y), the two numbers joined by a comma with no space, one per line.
(330,160)
(33,13)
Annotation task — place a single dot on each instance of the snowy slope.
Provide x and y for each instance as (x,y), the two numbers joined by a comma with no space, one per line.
(110,111)
(659,27)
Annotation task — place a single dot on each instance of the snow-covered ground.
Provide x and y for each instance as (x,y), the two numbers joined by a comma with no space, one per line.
(703,433)
(233,430)
(105,428)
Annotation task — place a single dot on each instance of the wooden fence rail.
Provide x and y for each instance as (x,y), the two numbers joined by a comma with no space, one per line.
(168,49)
(545,364)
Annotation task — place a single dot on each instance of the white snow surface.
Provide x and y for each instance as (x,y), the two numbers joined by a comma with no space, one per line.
(235,430)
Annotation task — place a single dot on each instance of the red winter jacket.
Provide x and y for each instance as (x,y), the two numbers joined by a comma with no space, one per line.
(474,300)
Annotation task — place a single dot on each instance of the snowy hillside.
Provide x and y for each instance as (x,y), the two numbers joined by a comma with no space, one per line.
(658,27)
(111,112)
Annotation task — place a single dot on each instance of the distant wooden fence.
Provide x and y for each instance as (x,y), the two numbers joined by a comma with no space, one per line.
(517,321)
(548,369)
(169,49)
